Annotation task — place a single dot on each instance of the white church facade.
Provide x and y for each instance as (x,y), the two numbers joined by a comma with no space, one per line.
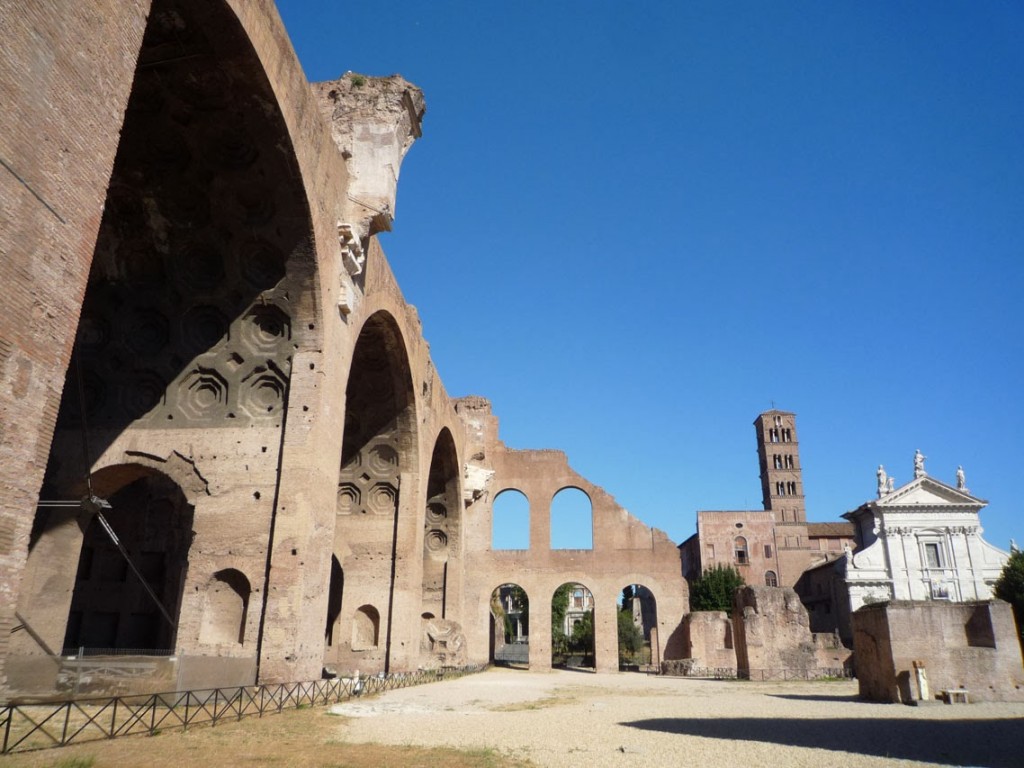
(921,541)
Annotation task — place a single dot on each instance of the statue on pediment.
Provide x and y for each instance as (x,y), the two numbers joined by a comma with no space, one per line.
(882,480)
(961,481)
(919,464)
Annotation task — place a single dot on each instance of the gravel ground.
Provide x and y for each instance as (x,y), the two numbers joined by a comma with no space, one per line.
(570,718)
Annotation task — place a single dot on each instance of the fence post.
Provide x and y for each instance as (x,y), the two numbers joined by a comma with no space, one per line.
(7,727)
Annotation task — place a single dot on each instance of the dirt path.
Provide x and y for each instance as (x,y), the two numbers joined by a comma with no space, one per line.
(508,719)
(565,718)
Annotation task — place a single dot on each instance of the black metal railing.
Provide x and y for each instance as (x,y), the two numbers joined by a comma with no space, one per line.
(82,652)
(26,727)
(780,673)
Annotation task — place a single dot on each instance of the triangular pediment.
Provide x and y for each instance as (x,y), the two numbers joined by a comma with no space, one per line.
(928,492)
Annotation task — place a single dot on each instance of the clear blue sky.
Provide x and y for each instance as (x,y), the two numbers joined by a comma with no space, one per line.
(634,226)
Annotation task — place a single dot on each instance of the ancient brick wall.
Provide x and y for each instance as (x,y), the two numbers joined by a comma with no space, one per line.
(709,639)
(625,551)
(67,69)
(250,390)
(772,631)
(969,646)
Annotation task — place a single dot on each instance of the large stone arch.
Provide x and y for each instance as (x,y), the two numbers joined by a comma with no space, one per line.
(202,291)
(377,517)
(96,600)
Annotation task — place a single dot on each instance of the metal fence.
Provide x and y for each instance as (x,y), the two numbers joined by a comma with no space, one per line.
(730,673)
(513,653)
(27,727)
(823,673)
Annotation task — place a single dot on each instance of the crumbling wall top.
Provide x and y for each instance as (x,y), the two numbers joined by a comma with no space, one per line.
(374,121)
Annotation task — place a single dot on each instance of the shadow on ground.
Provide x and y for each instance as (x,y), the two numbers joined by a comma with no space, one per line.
(850,697)
(983,743)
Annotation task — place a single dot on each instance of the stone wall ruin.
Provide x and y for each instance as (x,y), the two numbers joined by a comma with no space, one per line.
(203,331)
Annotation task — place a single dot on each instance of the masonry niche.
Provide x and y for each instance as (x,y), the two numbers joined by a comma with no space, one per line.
(200,292)
(378,455)
(441,530)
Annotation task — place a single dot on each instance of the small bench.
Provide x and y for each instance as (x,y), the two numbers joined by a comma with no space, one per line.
(955,696)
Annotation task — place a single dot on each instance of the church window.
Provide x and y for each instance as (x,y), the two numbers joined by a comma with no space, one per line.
(777,461)
(931,554)
(740,548)
(789,461)
(787,435)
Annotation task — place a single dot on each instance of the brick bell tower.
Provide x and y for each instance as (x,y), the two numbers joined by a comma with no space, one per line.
(782,489)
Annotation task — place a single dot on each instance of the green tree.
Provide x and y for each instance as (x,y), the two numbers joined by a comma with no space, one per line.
(1010,587)
(583,633)
(631,637)
(559,607)
(715,589)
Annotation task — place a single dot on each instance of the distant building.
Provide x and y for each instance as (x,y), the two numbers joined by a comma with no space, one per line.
(919,542)
(513,602)
(581,602)
(775,546)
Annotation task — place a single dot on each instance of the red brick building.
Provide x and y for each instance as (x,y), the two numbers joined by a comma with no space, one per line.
(775,546)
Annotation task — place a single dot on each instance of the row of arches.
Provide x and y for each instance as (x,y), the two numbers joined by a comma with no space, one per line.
(571,516)
(199,306)
(375,522)
(573,609)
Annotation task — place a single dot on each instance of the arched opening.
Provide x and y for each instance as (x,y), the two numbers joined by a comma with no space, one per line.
(199,293)
(740,553)
(771,579)
(335,593)
(366,628)
(378,446)
(510,627)
(637,619)
(441,525)
(510,520)
(572,627)
(144,543)
(227,607)
(572,524)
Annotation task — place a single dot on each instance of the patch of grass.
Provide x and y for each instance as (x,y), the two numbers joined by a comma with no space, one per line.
(75,762)
(358,81)
(380,756)
(297,739)
(524,706)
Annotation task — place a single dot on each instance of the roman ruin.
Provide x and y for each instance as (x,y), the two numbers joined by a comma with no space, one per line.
(227,454)
(204,341)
